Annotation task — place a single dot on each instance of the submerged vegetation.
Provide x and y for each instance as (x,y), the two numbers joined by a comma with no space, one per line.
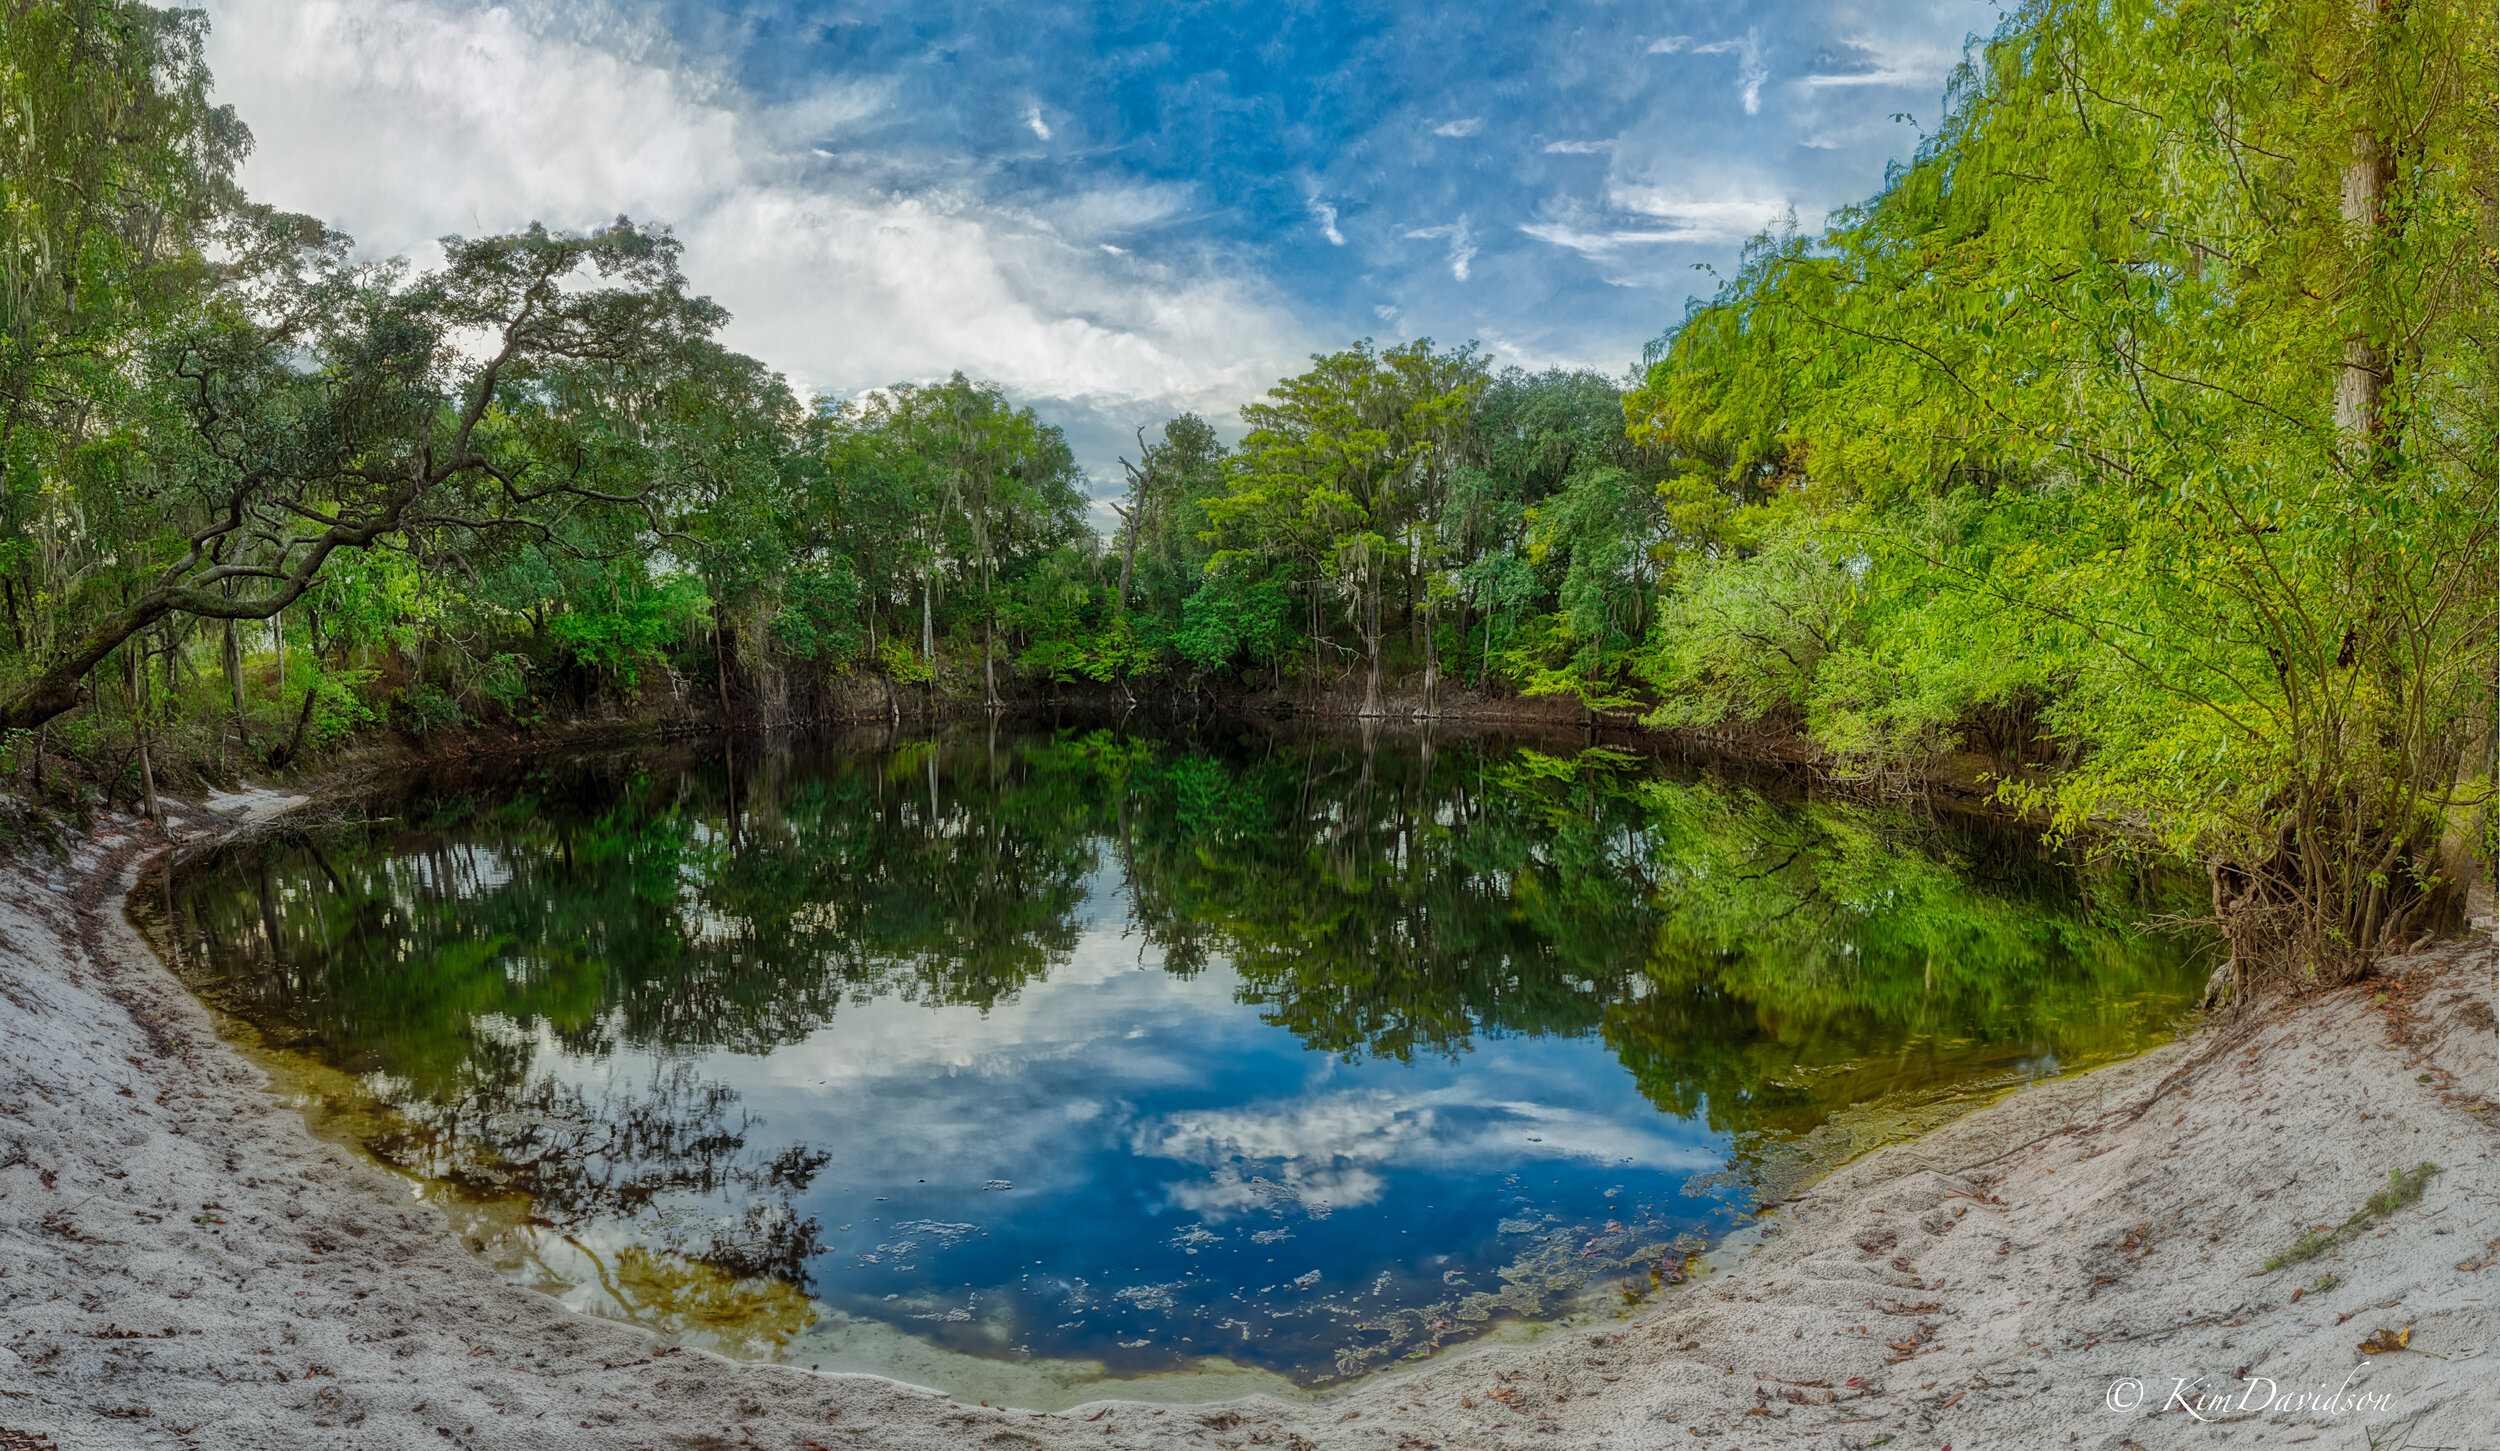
(2138,435)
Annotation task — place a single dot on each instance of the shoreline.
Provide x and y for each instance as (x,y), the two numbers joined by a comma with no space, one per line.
(1963,782)
(182,1262)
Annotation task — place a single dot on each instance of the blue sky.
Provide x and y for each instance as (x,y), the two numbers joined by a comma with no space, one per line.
(1117,211)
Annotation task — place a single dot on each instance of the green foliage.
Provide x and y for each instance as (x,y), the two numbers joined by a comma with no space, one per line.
(819,617)
(1226,624)
(641,618)
(503,679)
(1119,653)
(902,666)
(423,709)
(341,705)
(2099,404)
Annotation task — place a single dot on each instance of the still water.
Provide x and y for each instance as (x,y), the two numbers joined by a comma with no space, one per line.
(1011,1062)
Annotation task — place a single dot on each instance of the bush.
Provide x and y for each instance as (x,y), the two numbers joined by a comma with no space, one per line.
(423,709)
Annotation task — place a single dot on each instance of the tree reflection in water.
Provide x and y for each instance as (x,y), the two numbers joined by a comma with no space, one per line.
(1766,962)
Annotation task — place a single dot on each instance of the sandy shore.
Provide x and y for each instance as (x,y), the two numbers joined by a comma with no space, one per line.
(183,1264)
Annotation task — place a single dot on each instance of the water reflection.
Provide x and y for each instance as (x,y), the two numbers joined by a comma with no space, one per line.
(1097,1048)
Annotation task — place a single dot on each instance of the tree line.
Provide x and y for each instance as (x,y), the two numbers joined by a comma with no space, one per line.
(2138,434)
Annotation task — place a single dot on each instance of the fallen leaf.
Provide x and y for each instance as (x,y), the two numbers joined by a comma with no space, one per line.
(2387,1340)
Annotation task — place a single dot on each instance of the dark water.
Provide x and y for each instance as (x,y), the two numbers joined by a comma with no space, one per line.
(1113,1054)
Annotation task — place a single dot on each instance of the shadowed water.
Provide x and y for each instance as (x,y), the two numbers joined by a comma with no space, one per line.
(1102,1054)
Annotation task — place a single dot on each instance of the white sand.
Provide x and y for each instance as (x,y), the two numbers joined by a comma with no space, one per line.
(182,1264)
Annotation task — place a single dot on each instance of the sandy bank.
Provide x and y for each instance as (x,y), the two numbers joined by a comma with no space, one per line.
(182,1264)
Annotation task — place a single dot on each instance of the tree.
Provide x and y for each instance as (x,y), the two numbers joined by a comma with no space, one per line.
(259,468)
(962,453)
(1439,391)
(1342,466)
(2166,370)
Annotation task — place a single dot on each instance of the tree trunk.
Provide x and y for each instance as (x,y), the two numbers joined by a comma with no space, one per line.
(1128,555)
(285,754)
(136,676)
(1432,663)
(2361,386)
(147,782)
(1371,644)
(1315,671)
(1415,592)
(989,642)
(1140,493)
(234,680)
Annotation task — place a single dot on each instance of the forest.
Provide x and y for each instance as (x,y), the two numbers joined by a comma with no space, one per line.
(2138,434)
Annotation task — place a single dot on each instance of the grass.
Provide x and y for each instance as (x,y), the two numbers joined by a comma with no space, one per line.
(2403,1187)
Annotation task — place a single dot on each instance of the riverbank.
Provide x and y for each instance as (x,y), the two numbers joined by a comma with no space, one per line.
(181,1263)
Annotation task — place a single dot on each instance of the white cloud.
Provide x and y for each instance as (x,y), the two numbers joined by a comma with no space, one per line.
(1462,244)
(1099,211)
(1510,352)
(1326,216)
(400,120)
(1327,1152)
(1865,78)
(1889,63)
(1578,148)
(1468,127)
(1033,118)
(1597,243)
(1721,218)
(1324,1152)
(824,113)
(1750,72)
(1688,219)
(1670,45)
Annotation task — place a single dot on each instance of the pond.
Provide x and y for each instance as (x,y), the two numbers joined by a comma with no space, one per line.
(1008,1062)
